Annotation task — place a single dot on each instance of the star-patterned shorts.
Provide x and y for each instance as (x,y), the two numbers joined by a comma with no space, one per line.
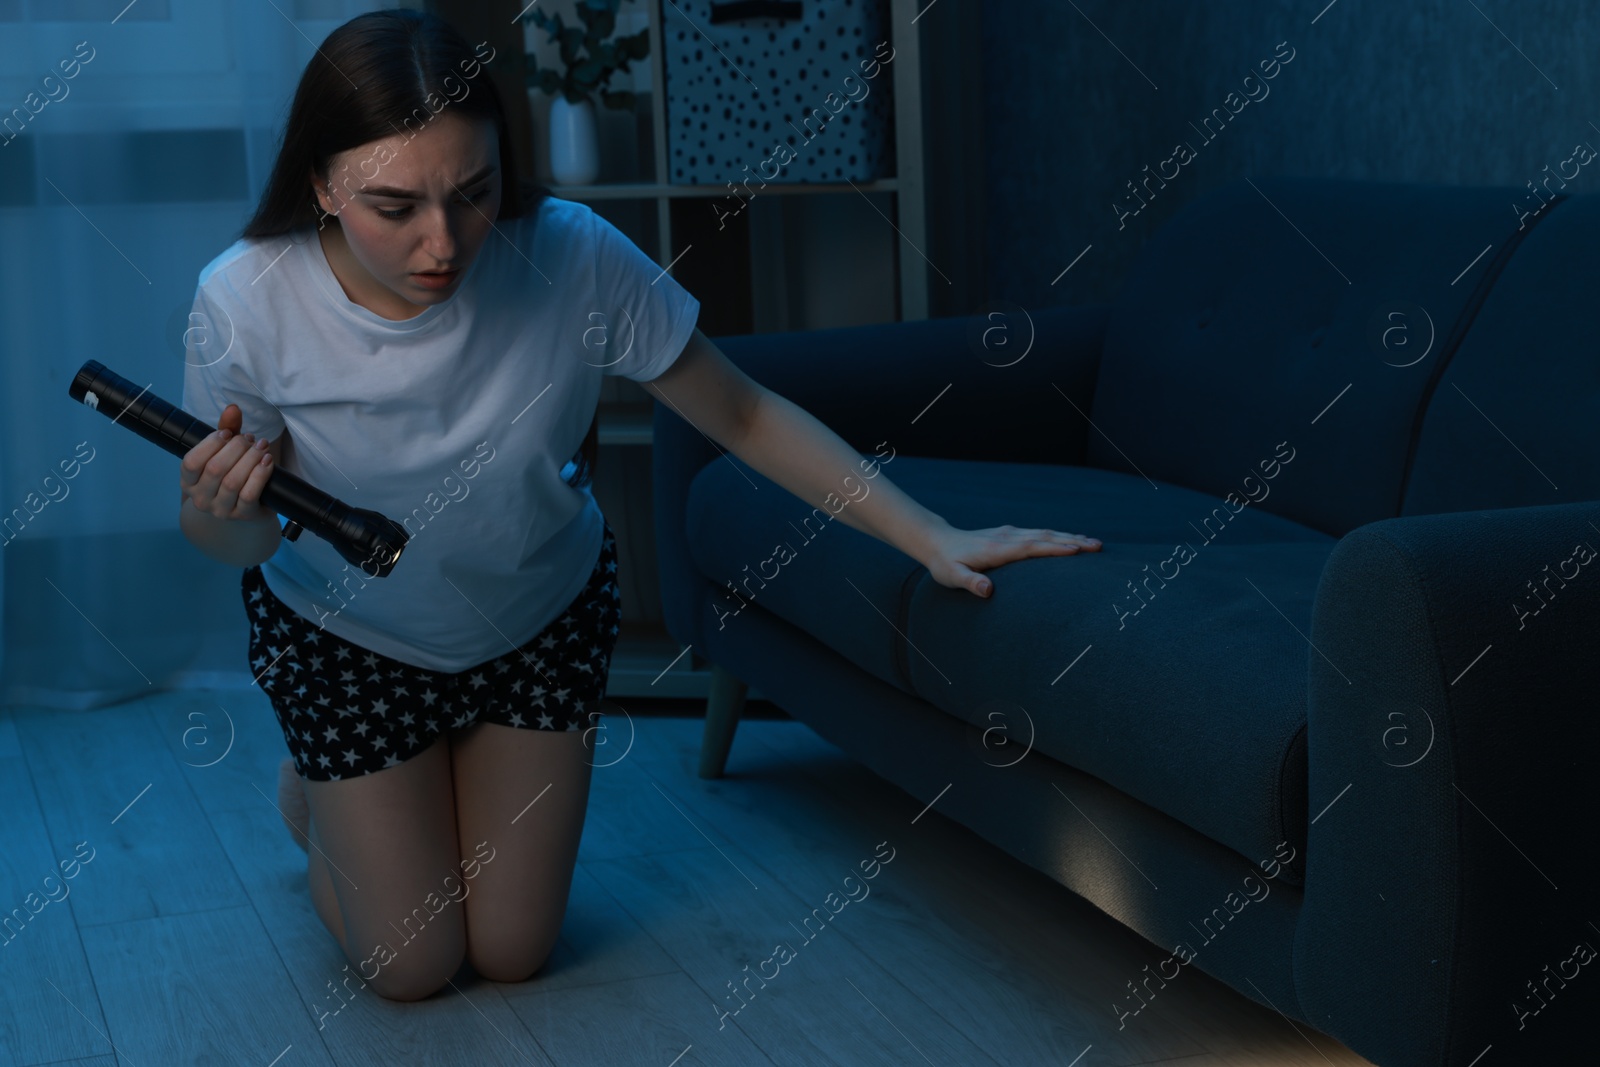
(347,711)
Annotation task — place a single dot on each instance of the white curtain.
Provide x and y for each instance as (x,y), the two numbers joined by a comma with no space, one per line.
(135,140)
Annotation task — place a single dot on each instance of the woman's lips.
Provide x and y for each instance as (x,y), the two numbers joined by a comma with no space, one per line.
(436,280)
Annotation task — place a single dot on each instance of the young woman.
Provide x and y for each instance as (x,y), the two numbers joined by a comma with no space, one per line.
(400,328)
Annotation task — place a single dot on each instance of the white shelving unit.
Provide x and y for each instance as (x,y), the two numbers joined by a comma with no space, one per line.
(910,219)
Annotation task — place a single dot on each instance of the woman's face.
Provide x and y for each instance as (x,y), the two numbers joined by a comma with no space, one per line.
(413,212)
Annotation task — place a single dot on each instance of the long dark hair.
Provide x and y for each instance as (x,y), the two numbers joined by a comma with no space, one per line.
(367,80)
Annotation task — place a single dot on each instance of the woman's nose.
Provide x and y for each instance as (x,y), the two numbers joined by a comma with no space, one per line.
(442,242)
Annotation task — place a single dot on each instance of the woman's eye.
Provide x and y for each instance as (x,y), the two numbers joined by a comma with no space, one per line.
(400,213)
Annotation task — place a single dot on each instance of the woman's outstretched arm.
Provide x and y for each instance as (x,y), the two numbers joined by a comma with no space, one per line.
(795,450)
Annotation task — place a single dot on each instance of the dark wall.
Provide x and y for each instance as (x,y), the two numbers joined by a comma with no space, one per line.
(953,105)
(1385,90)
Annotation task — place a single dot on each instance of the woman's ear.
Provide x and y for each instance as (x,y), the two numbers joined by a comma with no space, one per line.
(322,196)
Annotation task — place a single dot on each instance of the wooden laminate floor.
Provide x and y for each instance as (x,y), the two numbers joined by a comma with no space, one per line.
(189,937)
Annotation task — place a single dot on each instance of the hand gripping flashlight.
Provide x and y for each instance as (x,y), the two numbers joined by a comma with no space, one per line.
(364,538)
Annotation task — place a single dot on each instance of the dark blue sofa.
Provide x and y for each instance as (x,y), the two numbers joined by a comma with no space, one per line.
(1321,718)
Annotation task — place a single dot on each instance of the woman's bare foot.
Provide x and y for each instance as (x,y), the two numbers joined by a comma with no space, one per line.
(292,804)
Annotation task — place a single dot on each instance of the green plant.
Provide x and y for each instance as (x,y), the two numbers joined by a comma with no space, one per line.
(589,58)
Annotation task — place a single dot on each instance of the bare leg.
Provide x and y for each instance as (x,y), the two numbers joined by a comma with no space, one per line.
(320,880)
(521,796)
(292,802)
(385,843)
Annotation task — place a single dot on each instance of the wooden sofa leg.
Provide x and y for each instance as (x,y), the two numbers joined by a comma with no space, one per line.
(723,707)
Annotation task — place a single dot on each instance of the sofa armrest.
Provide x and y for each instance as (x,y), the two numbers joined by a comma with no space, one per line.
(1451,738)
(923,387)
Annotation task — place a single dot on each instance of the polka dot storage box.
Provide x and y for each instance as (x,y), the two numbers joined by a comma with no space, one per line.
(778,91)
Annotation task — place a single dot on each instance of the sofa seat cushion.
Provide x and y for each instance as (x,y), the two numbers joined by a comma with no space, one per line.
(767,550)
(1188,693)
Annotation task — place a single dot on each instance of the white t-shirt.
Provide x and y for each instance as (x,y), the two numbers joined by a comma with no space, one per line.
(458,423)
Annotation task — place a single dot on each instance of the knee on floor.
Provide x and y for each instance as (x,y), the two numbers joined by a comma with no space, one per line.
(414,978)
(512,960)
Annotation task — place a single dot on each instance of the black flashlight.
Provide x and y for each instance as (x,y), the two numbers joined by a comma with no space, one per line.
(361,536)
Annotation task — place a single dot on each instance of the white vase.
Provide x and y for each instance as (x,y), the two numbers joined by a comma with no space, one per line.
(574,154)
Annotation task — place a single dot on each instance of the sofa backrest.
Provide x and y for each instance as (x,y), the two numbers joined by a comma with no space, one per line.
(1301,318)
(1515,418)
